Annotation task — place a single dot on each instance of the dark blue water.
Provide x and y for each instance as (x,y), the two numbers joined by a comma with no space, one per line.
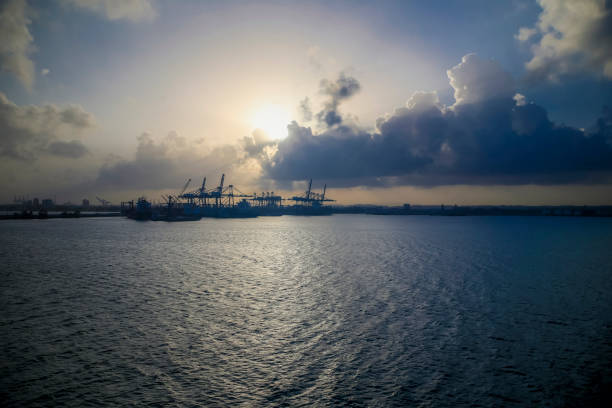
(295,311)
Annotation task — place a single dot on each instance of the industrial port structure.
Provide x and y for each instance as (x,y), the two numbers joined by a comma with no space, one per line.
(226,201)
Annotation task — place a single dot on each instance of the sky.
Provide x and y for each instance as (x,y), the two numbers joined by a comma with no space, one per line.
(455,102)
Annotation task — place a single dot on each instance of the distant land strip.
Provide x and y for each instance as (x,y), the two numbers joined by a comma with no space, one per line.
(11,212)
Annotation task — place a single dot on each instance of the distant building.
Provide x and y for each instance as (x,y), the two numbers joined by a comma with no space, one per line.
(47,203)
(85,203)
(36,203)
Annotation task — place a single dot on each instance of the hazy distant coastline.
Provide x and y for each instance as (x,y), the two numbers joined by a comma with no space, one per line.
(11,212)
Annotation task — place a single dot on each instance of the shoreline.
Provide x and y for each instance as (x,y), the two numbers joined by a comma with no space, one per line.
(562,211)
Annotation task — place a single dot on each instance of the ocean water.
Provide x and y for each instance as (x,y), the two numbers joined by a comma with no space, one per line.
(347,310)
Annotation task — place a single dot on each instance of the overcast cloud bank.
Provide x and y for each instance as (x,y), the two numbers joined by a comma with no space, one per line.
(490,135)
(164,164)
(29,131)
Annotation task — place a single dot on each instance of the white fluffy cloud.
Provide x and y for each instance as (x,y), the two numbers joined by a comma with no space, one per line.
(475,79)
(572,36)
(421,101)
(26,131)
(132,10)
(520,99)
(16,41)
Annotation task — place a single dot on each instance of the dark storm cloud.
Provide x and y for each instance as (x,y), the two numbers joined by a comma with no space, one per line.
(489,136)
(341,89)
(603,126)
(163,165)
(26,131)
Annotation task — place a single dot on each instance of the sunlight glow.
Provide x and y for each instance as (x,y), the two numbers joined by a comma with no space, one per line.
(272,119)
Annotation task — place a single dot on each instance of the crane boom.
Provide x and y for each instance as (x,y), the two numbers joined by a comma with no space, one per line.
(220,188)
(308,192)
(185,187)
(103,201)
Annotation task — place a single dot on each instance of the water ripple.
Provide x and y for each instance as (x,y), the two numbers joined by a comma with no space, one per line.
(299,311)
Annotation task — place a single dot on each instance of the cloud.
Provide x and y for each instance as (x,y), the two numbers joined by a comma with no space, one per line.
(72,149)
(603,126)
(421,101)
(45,71)
(257,145)
(525,33)
(519,99)
(16,43)
(131,10)
(337,91)
(475,80)
(26,131)
(490,135)
(305,109)
(164,164)
(574,37)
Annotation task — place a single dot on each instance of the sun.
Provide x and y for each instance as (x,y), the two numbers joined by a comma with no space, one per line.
(272,119)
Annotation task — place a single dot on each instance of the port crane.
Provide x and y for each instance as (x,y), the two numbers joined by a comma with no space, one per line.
(103,201)
(169,197)
(231,193)
(203,188)
(267,199)
(310,198)
(218,192)
(220,196)
(221,201)
(225,196)
(200,195)
(185,187)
